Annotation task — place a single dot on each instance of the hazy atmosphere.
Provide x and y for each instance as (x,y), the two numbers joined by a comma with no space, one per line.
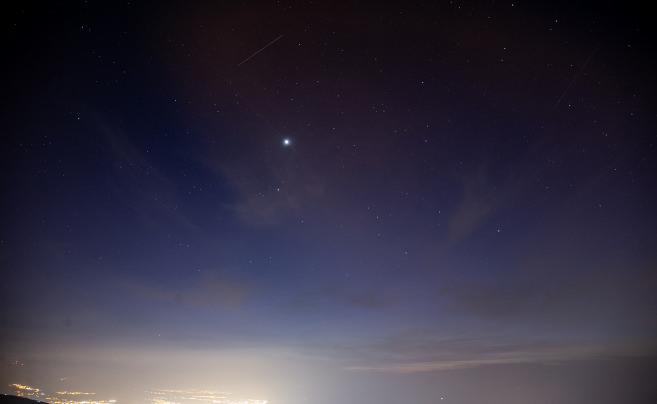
(304,202)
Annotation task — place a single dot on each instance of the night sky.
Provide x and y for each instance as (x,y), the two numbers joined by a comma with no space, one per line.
(301,202)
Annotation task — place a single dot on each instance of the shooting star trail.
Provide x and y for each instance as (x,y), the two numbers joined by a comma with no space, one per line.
(260,50)
(574,79)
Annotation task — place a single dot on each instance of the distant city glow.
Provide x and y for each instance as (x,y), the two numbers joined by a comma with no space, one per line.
(58,400)
(74,393)
(164,396)
(59,397)
(23,390)
(157,396)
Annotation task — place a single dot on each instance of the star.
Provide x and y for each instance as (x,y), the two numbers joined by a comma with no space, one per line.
(287,142)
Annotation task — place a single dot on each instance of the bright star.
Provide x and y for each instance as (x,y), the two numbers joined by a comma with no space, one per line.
(287,141)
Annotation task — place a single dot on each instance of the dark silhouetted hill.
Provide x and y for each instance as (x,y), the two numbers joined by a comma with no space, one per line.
(6,399)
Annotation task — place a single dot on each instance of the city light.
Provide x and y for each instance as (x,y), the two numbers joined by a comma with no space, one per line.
(156,396)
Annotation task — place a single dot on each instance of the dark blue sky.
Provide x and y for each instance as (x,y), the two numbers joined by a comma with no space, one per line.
(465,208)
